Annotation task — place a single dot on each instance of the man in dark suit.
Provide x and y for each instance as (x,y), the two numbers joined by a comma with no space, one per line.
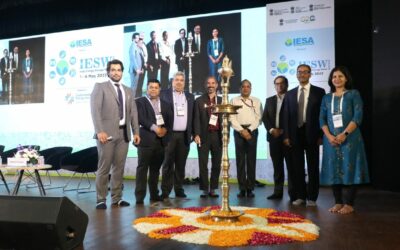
(272,119)
(155,119)
(114,114)
(181,48)
(173,170)
(302,133)
(154,57)
(208,137)
(4,65)
(199,61)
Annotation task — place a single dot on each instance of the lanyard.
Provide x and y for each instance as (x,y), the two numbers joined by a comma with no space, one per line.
(340,104)
(158,106)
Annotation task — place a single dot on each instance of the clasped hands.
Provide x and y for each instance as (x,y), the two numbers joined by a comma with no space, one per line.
(337,140)
(245,134)
(160,131)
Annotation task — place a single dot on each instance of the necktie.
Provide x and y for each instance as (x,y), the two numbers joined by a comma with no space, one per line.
(300,110)
(120,102)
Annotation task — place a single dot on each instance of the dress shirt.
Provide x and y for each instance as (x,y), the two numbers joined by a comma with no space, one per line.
(180,121)
(306,95)
(165,50)
(156,105)
(279,101)
(249,114)
(123,120)
(197,42)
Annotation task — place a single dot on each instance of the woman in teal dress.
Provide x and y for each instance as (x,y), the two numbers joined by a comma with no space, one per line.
(344,163)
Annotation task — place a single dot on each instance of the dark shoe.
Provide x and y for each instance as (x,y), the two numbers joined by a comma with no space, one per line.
(156,199)
(241,194)
(180,195)
(101,205)
(121,203)
(212,194)
(259,184)
(275,197)
(139,202)
(250,194)
(165,196)
(204,195)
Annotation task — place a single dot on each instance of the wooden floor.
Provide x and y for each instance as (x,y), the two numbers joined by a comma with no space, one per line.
(374,225)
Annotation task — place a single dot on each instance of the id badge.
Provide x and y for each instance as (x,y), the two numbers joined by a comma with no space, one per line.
(160,120)
(213,120)
(216,52)
(180,111)
(337,121)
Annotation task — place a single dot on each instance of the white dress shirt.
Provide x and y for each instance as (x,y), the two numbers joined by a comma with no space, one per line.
(249,114)
(306,95)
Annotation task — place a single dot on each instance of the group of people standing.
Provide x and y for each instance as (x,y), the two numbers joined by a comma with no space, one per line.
(22,69)
(155,58)
(166,121)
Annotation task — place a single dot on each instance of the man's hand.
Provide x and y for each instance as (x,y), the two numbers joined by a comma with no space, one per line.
(136,139)
(276,132)
(102,137)
(161,132)
(245,134)
(197,140)
(287,143)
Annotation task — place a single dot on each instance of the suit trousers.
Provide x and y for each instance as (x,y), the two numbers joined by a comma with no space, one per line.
(139,86)
(173,169)
(214,145)
(150,160)
(112,156)
(164,74)
(310,190)
(246,156)
(134,80)
(280,153)
(152,74)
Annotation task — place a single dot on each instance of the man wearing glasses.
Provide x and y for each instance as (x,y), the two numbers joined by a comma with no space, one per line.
(245,123)
(303,134)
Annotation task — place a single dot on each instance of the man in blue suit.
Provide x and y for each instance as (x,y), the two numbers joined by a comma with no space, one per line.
(136,63)
(155,120)
(173,170)
(302,133)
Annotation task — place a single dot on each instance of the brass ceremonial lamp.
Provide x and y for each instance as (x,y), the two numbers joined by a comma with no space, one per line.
(189,55)
(226,109)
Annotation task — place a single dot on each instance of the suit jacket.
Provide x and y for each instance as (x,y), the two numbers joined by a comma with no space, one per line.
(135,59)
(147,118)
(3,66)
(290,104)
(269,117)
(178,50)
(105,113)
(167,95)
(151,60)
(202,118)
(210,47)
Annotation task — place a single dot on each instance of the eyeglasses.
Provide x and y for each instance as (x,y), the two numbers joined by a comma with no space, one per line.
(303,72)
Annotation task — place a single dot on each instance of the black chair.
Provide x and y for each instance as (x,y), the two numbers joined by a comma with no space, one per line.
(11,152)
(82,162)
(53,156)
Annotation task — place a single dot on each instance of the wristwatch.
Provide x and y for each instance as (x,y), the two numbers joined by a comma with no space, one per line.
(346,133)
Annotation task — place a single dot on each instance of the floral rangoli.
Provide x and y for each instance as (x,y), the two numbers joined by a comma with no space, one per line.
(257,226)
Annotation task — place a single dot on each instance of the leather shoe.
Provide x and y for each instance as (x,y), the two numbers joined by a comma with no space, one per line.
(275,197)
(204,195)
(212,194)
(101,205)
(180,195)
(139,202)
(250,194)
(155,199)
(121,203)
(241,194)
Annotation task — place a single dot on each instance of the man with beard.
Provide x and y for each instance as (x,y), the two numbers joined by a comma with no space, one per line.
(114,113)
(208,137)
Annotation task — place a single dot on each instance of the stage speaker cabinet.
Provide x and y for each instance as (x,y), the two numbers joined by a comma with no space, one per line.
(41,223)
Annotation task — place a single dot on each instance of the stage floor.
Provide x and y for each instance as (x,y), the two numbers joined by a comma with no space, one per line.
(374,225)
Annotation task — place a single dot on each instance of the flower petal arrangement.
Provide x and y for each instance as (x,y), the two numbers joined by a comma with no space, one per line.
(257,226)
(28,153)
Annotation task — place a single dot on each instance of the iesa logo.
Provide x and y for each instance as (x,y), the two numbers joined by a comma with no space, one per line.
(81,43)
(62,67)
(283,66)
(299,41)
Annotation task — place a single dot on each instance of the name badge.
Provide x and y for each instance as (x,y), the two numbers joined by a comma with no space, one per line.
(216,52)
(337,121)
(180,111)
(213,120)
(160,120)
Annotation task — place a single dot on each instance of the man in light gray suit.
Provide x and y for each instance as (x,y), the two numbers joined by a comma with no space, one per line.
(136,62)
(114,114)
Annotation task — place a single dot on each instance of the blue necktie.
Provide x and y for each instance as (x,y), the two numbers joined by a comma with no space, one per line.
(120,102)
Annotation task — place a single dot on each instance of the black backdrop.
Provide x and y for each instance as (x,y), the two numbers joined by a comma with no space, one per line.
(354,35)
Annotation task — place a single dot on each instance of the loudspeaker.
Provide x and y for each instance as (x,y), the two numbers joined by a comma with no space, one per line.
(40,223)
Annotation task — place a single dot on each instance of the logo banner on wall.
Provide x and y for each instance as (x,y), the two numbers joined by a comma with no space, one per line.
(300,32)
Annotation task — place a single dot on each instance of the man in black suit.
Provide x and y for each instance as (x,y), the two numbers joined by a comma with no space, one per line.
(302,133)
(272,119)
(173,170)
(155,120)
(4,65)
(199,61)
(208,137)
(180,48)
(154,57)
